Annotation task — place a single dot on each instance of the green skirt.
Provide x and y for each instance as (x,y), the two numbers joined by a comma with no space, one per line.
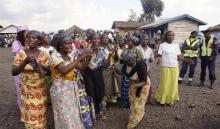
(167,92)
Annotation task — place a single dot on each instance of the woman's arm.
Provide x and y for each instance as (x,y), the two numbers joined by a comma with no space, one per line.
(140,84)
(63,69)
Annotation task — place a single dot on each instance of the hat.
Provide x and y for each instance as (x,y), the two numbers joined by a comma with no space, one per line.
(21,28)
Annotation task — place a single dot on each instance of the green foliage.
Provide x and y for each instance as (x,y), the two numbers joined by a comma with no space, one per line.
(151,9)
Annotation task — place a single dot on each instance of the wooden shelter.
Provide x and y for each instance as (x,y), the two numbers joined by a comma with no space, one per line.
(126,26)
(74,28)
(181,25)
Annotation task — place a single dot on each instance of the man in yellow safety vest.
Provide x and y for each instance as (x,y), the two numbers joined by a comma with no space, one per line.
(191,51)
(208,53)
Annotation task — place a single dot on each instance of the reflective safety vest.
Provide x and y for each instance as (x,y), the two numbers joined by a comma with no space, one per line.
(191,43)
(206,50)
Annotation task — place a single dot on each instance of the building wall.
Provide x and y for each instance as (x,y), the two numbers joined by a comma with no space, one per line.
(217,34)
(182,29)
(122,31)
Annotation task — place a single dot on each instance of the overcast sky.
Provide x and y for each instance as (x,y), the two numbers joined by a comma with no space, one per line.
(52,15)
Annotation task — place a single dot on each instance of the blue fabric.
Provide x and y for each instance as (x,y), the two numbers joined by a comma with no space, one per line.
(124,92)
(191,68)
(86,103)
(98,60)
(206,62)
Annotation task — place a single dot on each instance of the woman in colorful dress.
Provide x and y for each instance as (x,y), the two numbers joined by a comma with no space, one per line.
(125,79)
(167,92)
(30,63)
(17,45)
(93,77)
(135,69)
(64,92)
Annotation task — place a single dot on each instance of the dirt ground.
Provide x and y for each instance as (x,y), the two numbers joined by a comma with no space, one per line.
(198,108)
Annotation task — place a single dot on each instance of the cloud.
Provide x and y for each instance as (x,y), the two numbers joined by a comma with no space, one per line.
(98,14)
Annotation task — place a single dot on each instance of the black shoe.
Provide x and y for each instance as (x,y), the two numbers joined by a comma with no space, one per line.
(180,81)
(189,83)
(212,84)
(201,84)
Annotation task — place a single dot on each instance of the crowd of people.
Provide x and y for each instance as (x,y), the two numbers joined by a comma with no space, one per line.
(82,75)
(6,40)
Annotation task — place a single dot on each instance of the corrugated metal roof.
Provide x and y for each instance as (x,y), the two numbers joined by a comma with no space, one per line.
(165,21)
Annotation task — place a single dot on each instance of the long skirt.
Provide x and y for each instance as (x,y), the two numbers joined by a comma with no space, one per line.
(94,86)
(108,77)
(137,104)
(65,103)
(124,92)
(111,87)
(167,92)
(18,93)
(33,106)
(87,110)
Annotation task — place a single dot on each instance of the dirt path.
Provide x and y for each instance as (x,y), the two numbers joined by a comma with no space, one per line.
(198,108)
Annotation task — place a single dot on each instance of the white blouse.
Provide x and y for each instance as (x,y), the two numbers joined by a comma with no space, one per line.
(169,53)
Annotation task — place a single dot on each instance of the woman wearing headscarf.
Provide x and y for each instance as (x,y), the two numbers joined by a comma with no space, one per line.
(17,45)
(108,74)
(64,92)
(93,75)
(31,64)
(136,70)
(167,92)
(131,42)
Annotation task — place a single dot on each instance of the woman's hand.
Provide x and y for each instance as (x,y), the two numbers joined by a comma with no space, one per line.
(86,54)
(150,60)
(28,59)
(133,86)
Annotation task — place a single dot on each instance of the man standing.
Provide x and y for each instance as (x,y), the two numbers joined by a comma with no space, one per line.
(190,50)
(208,53)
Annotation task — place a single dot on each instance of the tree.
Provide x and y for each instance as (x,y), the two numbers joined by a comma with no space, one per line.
(132,16)
(151,9)
(1,26)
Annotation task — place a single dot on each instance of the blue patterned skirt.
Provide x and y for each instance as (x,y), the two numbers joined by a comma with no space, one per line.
(124,92)
(86,103)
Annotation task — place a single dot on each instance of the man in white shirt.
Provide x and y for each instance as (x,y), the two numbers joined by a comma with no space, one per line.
(146,51)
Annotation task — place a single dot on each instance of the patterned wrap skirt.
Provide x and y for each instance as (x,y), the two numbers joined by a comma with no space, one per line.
(65,102)
(137,104)
(87,110)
